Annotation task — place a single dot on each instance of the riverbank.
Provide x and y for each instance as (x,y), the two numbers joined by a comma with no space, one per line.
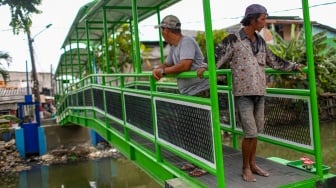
(11,161)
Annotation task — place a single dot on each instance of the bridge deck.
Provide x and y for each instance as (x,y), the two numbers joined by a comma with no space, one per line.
(279,174)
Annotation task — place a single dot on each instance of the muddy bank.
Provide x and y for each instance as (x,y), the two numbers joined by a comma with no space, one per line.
(11,161)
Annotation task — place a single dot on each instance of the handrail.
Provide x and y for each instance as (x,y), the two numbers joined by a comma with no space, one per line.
(153,94)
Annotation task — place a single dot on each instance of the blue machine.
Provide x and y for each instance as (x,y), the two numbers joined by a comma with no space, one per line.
(29,113)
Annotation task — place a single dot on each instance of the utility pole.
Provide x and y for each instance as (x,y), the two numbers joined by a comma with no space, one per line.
(36,89)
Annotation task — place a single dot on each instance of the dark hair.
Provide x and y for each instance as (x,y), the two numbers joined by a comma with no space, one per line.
(247,19)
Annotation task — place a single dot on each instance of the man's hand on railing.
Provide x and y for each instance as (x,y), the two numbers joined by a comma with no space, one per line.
(200,72)
(158,73)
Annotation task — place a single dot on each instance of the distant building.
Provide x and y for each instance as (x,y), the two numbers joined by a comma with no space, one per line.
(283,24)
(13,91)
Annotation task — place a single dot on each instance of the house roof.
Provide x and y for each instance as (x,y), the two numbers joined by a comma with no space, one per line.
(9,97)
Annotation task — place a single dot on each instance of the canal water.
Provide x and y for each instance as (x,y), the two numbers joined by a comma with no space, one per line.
(122,173)
(102,173)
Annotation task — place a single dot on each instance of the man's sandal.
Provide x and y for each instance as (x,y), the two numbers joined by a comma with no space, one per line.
(188,167)
(197,172)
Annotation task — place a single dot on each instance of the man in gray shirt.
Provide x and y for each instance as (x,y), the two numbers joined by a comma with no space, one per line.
(184,55)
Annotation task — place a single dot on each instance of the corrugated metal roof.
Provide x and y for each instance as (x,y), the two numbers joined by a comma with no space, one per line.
(7,92)
(9,97)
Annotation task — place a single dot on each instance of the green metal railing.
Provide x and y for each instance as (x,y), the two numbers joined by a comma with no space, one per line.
(90,97)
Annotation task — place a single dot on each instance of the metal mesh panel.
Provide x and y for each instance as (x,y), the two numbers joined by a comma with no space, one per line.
(224,108)
(74,99)
(187,127)
(139,112)
(100,116)
(98,97)
(116,126)
(287,119)
(113,104)
(68,100)
(88,97)
(142,141)
(80,98)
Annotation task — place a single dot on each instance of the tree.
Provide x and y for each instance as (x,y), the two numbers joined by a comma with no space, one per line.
(122,54)
(218,35)
(8,59)
(324,59)
(21,12)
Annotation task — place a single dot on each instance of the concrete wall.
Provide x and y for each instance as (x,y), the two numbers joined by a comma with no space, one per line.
(67,136)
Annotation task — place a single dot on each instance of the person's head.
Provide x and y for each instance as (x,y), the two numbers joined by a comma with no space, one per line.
(255,15)
(169,24)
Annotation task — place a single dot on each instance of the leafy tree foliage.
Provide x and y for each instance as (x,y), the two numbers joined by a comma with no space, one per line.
(122,54)
(324,60)
(4,56)
(21,11)
(218,35)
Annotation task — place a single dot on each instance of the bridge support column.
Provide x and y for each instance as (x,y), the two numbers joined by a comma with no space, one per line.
(95,138)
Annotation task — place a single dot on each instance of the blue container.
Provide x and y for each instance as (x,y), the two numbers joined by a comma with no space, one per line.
(31,138)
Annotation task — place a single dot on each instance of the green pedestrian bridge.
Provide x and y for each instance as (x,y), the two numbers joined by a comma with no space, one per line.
(142,117)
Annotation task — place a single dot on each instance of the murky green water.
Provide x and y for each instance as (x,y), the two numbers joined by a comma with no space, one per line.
(103,173)
(122,173)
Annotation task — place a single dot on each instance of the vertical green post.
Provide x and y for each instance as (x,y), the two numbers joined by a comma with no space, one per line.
(214,94)
(107,55)
(88,46)
(114,49)
(160,38)
(135,34)
(72,64)
(312,86)
(78,56)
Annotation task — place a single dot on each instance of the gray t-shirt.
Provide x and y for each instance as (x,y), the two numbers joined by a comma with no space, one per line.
(187,48)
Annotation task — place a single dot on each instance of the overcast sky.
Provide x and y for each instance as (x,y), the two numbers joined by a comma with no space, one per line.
(60,13)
